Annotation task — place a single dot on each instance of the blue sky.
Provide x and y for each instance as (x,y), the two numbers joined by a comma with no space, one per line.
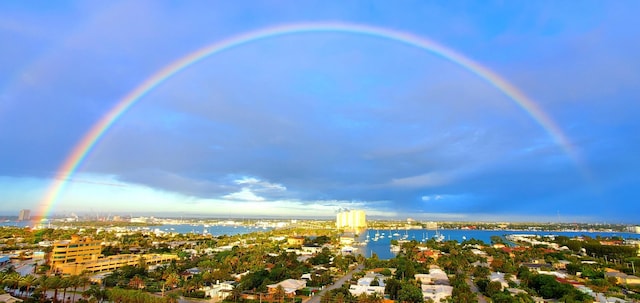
(306,124)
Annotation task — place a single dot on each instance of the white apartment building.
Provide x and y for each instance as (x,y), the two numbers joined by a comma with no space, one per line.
(351,219)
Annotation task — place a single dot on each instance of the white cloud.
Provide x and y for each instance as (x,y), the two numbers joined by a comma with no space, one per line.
(245,194)
(432,198)
(425,180)
(259,185)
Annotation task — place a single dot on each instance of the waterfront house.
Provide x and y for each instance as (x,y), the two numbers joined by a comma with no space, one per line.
(347,238)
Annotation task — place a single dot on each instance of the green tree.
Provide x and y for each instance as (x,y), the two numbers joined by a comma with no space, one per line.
(375,282)
(492,288)
(28,281)
(279,293)
(410,293)
(392,287)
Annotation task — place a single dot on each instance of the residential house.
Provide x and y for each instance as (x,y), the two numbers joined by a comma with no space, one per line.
(347,238)
(364,285)
(290,287)
(499,277)
(435,276)
(218,291)
(436,292)
(622,278)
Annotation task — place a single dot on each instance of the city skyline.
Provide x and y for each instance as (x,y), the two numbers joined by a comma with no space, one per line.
(435,111)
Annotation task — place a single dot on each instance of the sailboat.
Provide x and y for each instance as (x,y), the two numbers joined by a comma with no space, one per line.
(438,236)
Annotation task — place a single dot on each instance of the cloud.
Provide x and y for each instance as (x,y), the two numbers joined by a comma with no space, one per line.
(245,194)
(431,179)
(260,185)
(325,120)
(251,187)
(432,198)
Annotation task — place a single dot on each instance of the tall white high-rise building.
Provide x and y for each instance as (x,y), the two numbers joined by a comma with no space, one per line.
(24,215)
(351,219)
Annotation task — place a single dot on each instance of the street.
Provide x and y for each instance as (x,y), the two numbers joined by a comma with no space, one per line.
(337,284)
(474,288)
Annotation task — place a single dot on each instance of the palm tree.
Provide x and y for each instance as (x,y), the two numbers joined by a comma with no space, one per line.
(43,286)
(74,281)
(136,282)
(170,279)
(327,297)
(96,292)
(236,292)
(279,293)
(13,281)
(54,283)
(28,281)
(65,282)
(173,297)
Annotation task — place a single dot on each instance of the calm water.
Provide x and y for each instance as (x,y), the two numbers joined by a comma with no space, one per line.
(15,223)
(216,230)
(382,246)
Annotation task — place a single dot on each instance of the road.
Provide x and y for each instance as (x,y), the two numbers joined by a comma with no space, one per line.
(337,284)
(474,288)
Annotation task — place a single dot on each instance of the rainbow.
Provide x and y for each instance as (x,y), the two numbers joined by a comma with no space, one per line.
(86,144)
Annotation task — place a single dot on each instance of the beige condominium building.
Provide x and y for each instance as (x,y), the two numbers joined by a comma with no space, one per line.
(351,219)
(72,257)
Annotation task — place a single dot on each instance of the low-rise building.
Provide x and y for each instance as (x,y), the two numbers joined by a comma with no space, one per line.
(110,263)
(347,238)
(499,277)
(290,287)
(435,276)
(218,291)
(295,240)
(364,285)
(622,278)
(436,292)
(5,260)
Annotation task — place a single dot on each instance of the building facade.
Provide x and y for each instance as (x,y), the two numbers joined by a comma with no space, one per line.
(72,257)
(75,250)
(351,219)
(24,215)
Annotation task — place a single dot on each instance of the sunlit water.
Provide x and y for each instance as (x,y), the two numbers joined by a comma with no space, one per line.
(382,246)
